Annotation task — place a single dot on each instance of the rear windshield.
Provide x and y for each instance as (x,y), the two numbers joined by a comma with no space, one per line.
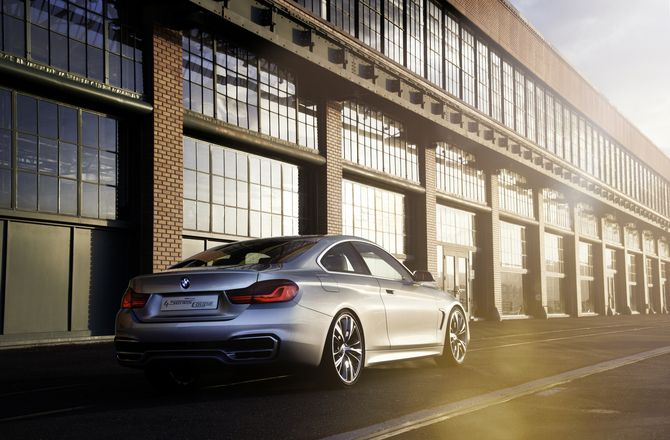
(248,252)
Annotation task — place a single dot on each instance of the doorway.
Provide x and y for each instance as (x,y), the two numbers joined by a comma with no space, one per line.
(453,275)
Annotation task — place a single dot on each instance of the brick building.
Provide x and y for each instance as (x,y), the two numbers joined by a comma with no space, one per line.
(133,133)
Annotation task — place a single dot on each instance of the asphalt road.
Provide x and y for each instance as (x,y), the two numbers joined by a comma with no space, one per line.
(587,378)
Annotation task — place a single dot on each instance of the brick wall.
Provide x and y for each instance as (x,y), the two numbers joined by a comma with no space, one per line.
(164,198)
(330,176)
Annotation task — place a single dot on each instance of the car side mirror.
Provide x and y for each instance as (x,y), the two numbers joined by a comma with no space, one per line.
(423,275)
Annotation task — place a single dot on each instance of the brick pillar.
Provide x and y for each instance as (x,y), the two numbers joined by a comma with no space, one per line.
(425,249)
(163,171)
(330,175)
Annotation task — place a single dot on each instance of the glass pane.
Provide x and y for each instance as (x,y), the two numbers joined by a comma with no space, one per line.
(26,114)
(58,15)
(68,124)
(68,197)
(108,134)
(15,40)
(217,218)
(39,12)
(48,190)
(5,148)
(48,156)
(59,51)
(189,184)
(203,158)
(95,30)
(5,109)
(107,202)
(107,168)
(95,64)
(189,154)
(26,191)
(89,164)
(48,119)
(89,129)
(5,188)
(89,200)
(39,44)
(114,66)
(77,22)
(26,152)
(68,160)
(189,214)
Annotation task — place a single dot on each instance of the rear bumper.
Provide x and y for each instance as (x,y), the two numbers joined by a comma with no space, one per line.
(265,338)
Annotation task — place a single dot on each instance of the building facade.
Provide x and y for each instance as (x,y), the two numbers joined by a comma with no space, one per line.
(135,133)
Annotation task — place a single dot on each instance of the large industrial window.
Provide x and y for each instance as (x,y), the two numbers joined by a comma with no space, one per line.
(496,87)
(372,139)
(394,14)
(457,173)
(342,15)
(435,52)
(513,260)
(649,242)
(514,193)
(612,232)
(508,95)
(234,193)
(59,159)
(551,125)
(632,283)
(468,64)
(453,56)
(531,128)
(633,238)
(586,277)
(556,208)
(587,221)
(520,102)
(415,27)
(540,111)
(455,226)
(369,23)
(100,40)
(232,84)
(482,77)
(555,275)
(375,214)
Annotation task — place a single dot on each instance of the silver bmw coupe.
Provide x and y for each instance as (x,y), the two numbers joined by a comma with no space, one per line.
(328,304)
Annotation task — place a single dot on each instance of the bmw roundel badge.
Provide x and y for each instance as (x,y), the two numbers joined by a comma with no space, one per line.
(185,283)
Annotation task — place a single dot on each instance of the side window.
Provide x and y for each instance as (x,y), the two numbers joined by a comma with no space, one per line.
(382,264)
(343,258)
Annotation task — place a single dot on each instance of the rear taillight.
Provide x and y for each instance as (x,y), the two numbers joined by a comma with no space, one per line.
(264,292)
(134,300)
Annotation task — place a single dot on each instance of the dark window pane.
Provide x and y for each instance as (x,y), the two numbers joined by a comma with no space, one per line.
(81,3)
(77,57)
(59,57)
(89,200)
(5,188)
(48,156)
(95,6)
(15,41)
(14,7)
(39,12)
(48,119)
(26,117)
(68,124)
(107,202)
(89,164)
(127,42)
(48,191)
(89,129)
(114,37)
(5,109)
(77,22)
(114,70)
(26,191)
(107,168)
(26,152)
(128,73)
(95,37)
(96,68)
(138,49)
(5,148)
(108,134)
(59,16)
(68,197)
(68,160)
(139,78)
(39,42)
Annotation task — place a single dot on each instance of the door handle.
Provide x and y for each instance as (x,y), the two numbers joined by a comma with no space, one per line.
(389,291)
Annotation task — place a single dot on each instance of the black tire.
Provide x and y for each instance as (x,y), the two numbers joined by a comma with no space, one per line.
(456,340)
(343,354)
(175,379)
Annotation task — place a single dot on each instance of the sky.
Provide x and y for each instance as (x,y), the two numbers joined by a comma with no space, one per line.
(622,47)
